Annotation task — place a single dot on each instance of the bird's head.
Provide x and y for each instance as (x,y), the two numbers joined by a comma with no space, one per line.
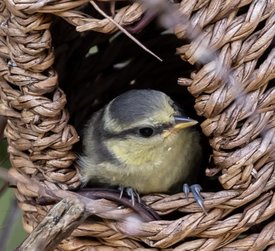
(139,124)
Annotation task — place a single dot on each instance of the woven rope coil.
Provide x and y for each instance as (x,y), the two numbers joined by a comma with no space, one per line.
(240,128)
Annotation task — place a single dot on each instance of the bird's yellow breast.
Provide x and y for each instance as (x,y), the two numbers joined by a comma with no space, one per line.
(155,168)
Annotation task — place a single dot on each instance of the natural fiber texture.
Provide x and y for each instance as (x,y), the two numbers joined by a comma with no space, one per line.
(238,107)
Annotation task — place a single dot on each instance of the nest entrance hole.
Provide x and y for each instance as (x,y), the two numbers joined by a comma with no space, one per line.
(93,68)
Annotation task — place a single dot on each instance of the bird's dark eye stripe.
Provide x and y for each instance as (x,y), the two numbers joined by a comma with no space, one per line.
(157,129)
(136,131)
(147,132)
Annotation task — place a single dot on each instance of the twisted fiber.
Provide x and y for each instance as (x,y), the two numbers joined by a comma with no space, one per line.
(46,6)
(216,236)
(223,113)
(40,139)
(263,208)
(191,225)
(233,28)
(225,200)
(83,22)
(166,233)
(125,16)
(270,248)
(207,12)
(255,242)
(73,244)
(257,109)
(251,78)
(251,242)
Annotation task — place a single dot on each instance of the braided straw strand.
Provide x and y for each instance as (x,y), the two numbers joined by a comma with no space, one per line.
(230,45)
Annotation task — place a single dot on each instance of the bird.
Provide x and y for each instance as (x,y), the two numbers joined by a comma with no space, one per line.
(141,140)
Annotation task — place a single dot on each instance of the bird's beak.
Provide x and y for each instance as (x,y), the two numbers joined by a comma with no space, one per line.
(184,122)
(180,123)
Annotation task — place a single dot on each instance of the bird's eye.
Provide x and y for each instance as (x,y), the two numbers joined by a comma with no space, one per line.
(146,132)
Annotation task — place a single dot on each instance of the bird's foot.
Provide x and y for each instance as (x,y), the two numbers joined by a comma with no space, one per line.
(195,190)
(132,193)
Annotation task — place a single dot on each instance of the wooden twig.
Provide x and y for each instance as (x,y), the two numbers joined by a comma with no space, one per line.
(124,31)
(61,220)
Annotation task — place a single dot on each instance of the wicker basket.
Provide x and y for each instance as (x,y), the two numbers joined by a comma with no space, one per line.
(237,109)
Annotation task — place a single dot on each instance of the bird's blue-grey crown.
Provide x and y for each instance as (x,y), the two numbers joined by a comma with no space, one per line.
(139,103)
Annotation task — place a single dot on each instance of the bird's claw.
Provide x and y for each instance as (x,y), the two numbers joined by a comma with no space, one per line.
(132,193)
(195,190)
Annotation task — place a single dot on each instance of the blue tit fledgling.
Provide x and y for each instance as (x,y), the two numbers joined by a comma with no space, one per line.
(141,140)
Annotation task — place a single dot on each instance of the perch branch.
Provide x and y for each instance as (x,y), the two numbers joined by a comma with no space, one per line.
(61,220)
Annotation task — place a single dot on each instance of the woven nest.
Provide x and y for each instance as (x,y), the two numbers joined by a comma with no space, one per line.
(227,65)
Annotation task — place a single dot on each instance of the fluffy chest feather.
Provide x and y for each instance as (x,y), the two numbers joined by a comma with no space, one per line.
(149,169)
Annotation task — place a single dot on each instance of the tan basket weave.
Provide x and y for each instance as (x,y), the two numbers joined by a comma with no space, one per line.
(240,128)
